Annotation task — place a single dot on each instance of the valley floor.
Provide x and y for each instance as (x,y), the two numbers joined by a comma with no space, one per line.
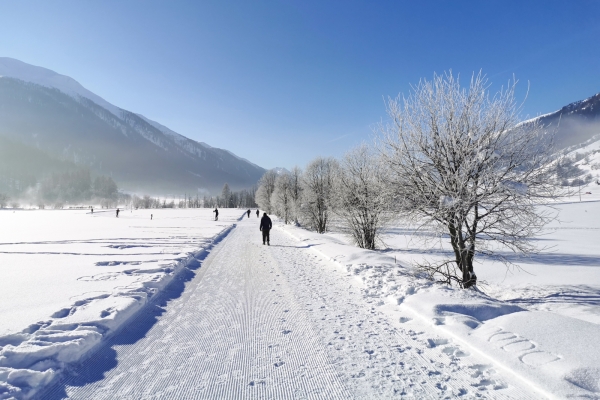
(278,321)
(181,306)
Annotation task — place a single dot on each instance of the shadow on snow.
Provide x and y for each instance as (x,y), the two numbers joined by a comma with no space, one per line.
(104,359)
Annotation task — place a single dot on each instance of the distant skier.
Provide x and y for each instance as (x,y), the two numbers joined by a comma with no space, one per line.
(265,227)
(151,217)
(248,213)
(118,212)
(216,214)
(257,213)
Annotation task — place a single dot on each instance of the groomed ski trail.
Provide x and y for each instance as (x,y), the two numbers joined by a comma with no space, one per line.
(274,322)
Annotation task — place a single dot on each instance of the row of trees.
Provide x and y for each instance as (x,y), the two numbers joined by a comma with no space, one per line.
(69,187)
(452,160)
(77,187)
(227,199)
(233,199)
(353,189)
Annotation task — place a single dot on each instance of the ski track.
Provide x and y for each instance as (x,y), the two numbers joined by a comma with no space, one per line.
(276,322)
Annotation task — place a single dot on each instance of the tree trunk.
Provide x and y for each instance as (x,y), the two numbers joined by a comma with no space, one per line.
(463,256)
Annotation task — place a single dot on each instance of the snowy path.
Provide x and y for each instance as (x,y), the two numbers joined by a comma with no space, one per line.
(275,322)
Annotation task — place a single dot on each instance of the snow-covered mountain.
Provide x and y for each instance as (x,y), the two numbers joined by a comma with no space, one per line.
(56,114)
(576,124)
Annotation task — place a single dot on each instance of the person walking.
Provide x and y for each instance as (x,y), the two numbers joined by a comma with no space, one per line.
(257,213)
(248,213)
(265,227)
(216,214)
(118,212)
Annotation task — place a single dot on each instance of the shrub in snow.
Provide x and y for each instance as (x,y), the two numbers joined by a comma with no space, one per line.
(281,199)
(461,163)
(317,186)
(361,198)
(266,186)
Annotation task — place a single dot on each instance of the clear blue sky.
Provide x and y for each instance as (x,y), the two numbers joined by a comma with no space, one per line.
(280,82)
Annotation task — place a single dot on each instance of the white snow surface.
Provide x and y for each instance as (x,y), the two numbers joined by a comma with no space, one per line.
(310,316)
(13,68)
(71,278)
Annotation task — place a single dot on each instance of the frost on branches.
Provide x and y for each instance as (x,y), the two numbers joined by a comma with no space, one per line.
(460,162)
(266,187)
(317,192)
(362,199)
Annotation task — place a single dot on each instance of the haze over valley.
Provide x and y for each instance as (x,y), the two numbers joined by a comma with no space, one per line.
(49,122)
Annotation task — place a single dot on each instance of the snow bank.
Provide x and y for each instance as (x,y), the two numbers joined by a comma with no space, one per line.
(554,354)
(100,289)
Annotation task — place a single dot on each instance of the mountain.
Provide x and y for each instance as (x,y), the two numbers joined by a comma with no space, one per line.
(576,123)
(56,115)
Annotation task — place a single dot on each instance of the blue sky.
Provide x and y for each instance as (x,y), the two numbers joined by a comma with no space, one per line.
(281,82)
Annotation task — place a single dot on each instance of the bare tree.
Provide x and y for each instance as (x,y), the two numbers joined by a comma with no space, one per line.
(362,198)
(226,196)
(3,200)
(296,192)
(317,185)
(461,162)
(281,199)
(266,186)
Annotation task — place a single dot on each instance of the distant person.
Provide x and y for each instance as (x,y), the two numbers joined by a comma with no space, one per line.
(257,213)
(248,213)
(150,217)
(265,227)
(92,210)
(216,214)
(118,212)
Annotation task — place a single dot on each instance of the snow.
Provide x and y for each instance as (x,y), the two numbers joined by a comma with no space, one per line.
(516,187)
(539,321)
(281,322)
(12,68)
(309,316)
(71,278)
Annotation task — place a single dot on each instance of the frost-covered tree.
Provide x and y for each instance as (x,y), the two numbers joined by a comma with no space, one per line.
(106,191)
(266,186)
(3,200)
(361,196)
(462,163)
(281,199)
(317,186)
(226,196)
(296,192)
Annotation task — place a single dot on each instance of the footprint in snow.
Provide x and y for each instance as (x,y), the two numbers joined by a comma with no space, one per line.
(431,343)
(455,352)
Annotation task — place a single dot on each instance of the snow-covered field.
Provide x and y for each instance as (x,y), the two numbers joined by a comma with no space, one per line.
(537,322)
(69,278)
(367,320)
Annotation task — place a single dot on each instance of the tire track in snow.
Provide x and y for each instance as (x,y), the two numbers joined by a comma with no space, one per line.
(235,332)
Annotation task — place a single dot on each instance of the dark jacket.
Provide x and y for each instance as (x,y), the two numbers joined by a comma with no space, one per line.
(265,222)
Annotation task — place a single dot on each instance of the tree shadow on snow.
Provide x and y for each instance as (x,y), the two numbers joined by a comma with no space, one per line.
(104,359)
(582,295)
(552,259)
(307,246)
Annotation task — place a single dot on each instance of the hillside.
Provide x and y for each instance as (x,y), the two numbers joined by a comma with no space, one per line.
(56,115)
(575,123)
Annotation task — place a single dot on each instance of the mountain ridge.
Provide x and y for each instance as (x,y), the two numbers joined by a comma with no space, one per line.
(575,123)
(29,110)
